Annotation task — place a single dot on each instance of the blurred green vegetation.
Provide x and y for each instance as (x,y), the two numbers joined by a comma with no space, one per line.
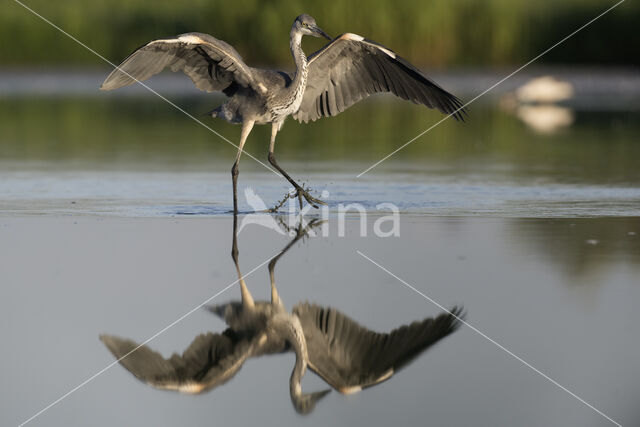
(436,33)
(143,133)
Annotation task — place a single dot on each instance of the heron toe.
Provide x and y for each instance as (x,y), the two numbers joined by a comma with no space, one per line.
(301,192)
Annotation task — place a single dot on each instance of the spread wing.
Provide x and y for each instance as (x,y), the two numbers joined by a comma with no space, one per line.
(351,68)
(350,357)
(210,360)
(210,63)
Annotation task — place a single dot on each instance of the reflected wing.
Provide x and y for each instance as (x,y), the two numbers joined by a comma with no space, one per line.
(350,357)
(210,63)
(350,68)
(210,360)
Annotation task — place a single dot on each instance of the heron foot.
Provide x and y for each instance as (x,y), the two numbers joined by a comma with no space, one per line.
(301,192)
(278,205)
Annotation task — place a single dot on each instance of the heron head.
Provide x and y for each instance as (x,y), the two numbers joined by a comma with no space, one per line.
(305,403)
(307,26)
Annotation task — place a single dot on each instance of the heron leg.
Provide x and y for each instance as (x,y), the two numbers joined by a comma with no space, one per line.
(301,192)
(275,298)
(246,129)
(247,299)
(300,233)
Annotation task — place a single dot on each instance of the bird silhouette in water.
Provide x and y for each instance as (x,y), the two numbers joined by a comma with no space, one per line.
(324,84)
(348,356)
(260,216)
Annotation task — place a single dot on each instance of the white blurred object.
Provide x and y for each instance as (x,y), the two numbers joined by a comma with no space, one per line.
(545,118)
(534,104)
(545,89)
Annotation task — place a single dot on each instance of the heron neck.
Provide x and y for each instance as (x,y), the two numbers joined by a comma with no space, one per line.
(295,336)
(296,376)
(298,57)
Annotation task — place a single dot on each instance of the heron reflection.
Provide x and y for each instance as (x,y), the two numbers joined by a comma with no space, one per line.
(348,356)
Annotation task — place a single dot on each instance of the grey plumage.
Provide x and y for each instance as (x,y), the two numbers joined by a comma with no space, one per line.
(210,360)
(348,356)
(351,357)
(347,70)
(210,63)
(351,68)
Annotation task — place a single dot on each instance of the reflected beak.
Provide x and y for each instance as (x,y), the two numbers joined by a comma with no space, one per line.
(320,33)
(304,404)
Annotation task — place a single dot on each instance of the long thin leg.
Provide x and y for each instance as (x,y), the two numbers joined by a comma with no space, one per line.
(275,298)
(247,299)
(300,233)
(246,129)
(272,159)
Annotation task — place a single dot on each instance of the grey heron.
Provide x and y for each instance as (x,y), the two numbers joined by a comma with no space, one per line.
(349,357)
(345,71)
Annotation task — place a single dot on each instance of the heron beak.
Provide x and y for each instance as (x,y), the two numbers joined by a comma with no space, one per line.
(304,404)
(320,33)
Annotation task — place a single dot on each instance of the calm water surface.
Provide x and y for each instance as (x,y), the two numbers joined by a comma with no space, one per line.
(113,219)
(139,157)
(540,287)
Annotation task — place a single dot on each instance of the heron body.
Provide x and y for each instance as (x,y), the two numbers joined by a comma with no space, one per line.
(345,71)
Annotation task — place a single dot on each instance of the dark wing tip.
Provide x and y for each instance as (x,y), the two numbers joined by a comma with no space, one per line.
(107,339)
(458,316)
(117,78)
(111,341)
(119,347)
(106,85)
(458,112)
(449,103)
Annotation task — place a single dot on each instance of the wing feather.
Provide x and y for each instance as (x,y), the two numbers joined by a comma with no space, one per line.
(351,68)
(350,357)
(210,63)
(210,360)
